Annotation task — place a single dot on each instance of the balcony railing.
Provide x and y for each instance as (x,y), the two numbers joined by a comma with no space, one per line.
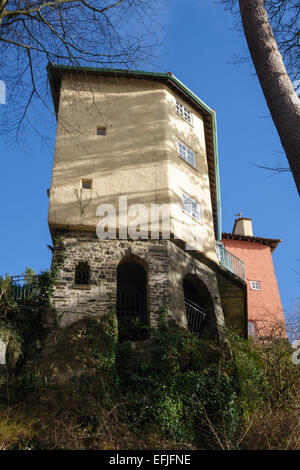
(231,262)
(24,287)
(195,316)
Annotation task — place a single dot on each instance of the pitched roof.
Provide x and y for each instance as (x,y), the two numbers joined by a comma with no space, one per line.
(55,73)
(271,242)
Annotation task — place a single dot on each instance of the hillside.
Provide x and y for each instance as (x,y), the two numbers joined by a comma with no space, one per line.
(79,388)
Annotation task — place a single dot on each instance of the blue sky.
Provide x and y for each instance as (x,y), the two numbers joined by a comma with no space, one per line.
(198,49)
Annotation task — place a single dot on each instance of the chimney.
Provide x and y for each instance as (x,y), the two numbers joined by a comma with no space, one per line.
(243,226)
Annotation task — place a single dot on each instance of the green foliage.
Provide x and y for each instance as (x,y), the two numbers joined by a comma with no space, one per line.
(105,360)
(170,416)
(267,376)
(174,389)
(30,275)
(253,383)
(29,382)
(47,278)
(282,375)
(132,329)
(7,303)
(22,332)
(11,335)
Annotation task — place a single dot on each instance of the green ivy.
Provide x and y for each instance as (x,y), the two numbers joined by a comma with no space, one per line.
(7,302)
(47,279)
(253,383)
(105,360)
(11,335)
(175,389)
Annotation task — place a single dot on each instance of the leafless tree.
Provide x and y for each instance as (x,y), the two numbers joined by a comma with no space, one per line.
(100,33)
(272,59)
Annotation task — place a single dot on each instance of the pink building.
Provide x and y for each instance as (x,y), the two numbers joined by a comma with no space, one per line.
(265,314)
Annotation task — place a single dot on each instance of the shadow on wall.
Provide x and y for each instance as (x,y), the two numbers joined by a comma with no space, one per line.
(140,151)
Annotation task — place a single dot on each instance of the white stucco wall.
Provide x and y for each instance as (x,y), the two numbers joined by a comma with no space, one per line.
(138,157)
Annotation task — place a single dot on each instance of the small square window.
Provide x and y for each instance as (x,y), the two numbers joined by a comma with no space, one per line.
(86,184)
(191,207)
(82,273)
(255,285)
(101,130)
(186,153)
(184,112)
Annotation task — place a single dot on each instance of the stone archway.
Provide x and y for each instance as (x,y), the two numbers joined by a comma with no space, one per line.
(132,299)
(199,306)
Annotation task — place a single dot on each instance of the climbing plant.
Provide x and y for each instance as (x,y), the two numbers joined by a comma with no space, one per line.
(47,278)
(7,302)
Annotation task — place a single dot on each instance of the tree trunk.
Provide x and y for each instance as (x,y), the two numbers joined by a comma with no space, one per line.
(2,9)
(282,100)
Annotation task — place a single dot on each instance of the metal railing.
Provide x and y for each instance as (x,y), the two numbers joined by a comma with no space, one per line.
(195,316)
(231,262)
(24,287)
(131,302)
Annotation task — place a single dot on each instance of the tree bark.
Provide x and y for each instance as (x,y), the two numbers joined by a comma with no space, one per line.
(2,9)
(282,100)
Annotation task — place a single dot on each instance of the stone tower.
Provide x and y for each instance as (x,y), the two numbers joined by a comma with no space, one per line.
(131,145)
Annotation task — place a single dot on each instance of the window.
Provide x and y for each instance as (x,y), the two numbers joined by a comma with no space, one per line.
(82,273)
(255,285)
(86,184)
(191,207)
(186,153)
(101,130)
(183,112)
(251,328)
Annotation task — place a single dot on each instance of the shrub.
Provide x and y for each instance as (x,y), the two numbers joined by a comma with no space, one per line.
(7,303)
(173,391)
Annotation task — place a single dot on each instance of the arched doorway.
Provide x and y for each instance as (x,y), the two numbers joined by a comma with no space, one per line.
(198,303)
(132,309)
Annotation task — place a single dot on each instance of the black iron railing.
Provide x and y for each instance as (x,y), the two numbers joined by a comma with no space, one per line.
(195,316)
(24,287)
(132,314)
(131,302)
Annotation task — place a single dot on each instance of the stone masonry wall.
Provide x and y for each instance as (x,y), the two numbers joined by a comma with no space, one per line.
(166,265)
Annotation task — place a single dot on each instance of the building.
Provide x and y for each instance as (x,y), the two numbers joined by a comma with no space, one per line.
(137,140)
(265,314)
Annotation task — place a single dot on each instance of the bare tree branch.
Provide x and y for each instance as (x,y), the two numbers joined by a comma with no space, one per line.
(102,33)
(275,170)
(284,16)
(258,17)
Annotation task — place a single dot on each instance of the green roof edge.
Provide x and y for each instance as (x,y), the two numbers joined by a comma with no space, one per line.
(216,159)
(187,91)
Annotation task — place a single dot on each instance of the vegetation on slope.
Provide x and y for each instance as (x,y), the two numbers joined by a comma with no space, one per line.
(79,388)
